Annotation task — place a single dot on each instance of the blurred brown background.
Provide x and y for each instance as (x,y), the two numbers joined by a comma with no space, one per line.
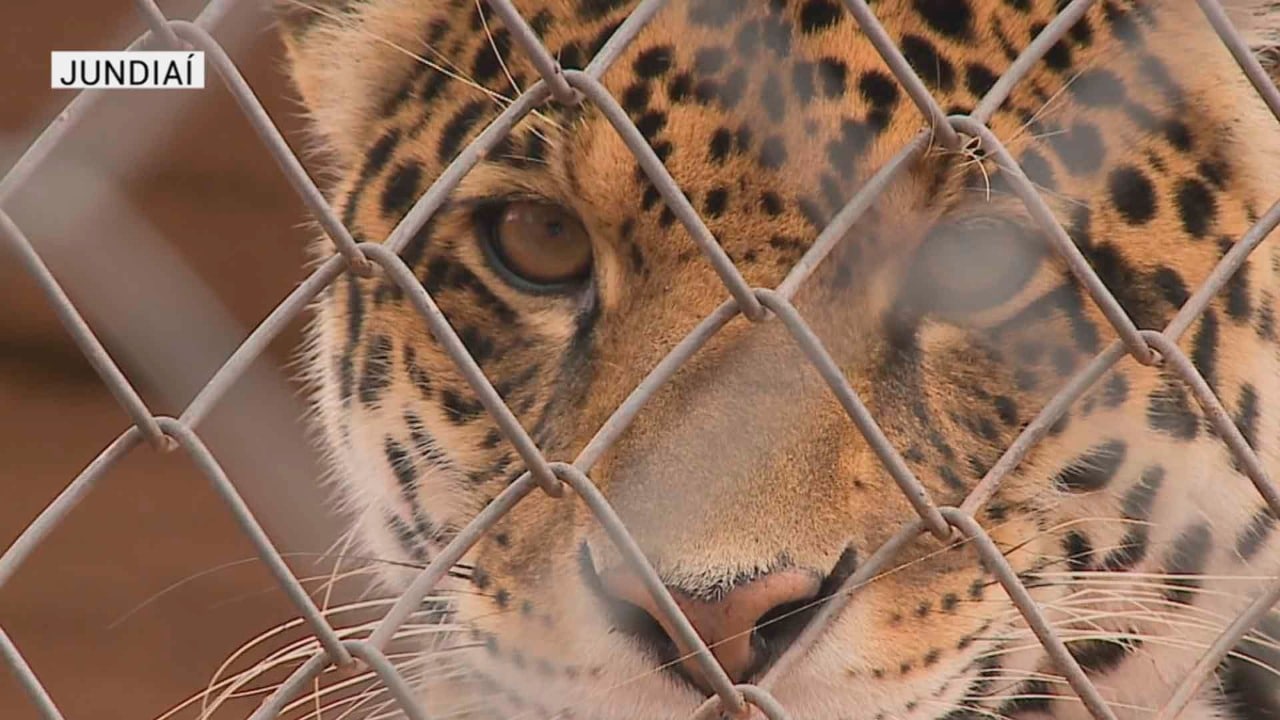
(174,232)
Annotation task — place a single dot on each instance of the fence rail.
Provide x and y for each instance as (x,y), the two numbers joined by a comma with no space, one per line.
(557,479)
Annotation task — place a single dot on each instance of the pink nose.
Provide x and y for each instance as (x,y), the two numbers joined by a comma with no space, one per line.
(727,625)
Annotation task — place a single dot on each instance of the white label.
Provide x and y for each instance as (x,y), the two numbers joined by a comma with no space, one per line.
(124,69)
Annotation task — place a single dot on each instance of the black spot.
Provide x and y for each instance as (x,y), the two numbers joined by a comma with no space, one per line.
(951,479)
(1245,680)
(417,375)
(948,17)
(1255,533)
(1266,320)
(925,60)
(592,10)
(663,150)
(721,145)
(541,22)
(488,59)
(1178,133)
(878,89)
(651,123)
(637,259)
(477,343)
(1079,148)
(706,91)
(535,148)
(1058,56)
(1141,498)
(773,153)
(602,37)
(1238,302)
(1170,284)
(747,41)
(979,79)
(1169,411)
(401,190)
(410,542)
(1215,171)
(709,60)
(570,56)
(1204,349)
(1137,504)
(401,465)
(396,100)
(1082,32)
(714,13)
(775,33)
(635,99)
(1123,26)
(802,81)
(1102,655)
(1081,220)
(1093,469)
(653,62)
(459,409)
(1032,696)
(1196,207)
(1132,194)
(772,99)
(456,130)
(1037,170)
(432,88)
(1142,117)
(649,197)
(1064,361)
(1097,88)
(771,203)
(978,468)
(1006,409)
(716,201)
(832,76)
(1078,551)
(380,153)
(1246,418)
(1157,75)
(1131,288)
(843,154)
(819,15)
(813,214)
(376,375)
(1187,558)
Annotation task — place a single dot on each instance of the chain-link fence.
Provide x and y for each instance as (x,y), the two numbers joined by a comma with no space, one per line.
(557,479)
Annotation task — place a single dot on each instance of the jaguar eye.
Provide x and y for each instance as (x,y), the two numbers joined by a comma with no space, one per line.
(540,244)
(972,265)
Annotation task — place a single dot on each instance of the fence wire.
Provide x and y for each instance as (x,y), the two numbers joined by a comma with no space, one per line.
(167,434)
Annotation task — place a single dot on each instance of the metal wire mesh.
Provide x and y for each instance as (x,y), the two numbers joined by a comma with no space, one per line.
(1148,347)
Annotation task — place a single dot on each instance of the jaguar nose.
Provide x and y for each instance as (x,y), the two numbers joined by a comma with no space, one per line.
(734,625)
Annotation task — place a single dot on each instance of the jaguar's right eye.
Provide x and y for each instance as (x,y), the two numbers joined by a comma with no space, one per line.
(542,246)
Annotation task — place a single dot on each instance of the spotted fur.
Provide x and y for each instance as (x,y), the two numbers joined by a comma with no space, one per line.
(1131,523)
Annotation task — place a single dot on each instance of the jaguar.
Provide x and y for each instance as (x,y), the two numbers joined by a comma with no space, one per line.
(569,269)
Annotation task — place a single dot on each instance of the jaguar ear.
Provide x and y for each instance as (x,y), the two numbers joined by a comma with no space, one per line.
(299,17)
(340,66)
